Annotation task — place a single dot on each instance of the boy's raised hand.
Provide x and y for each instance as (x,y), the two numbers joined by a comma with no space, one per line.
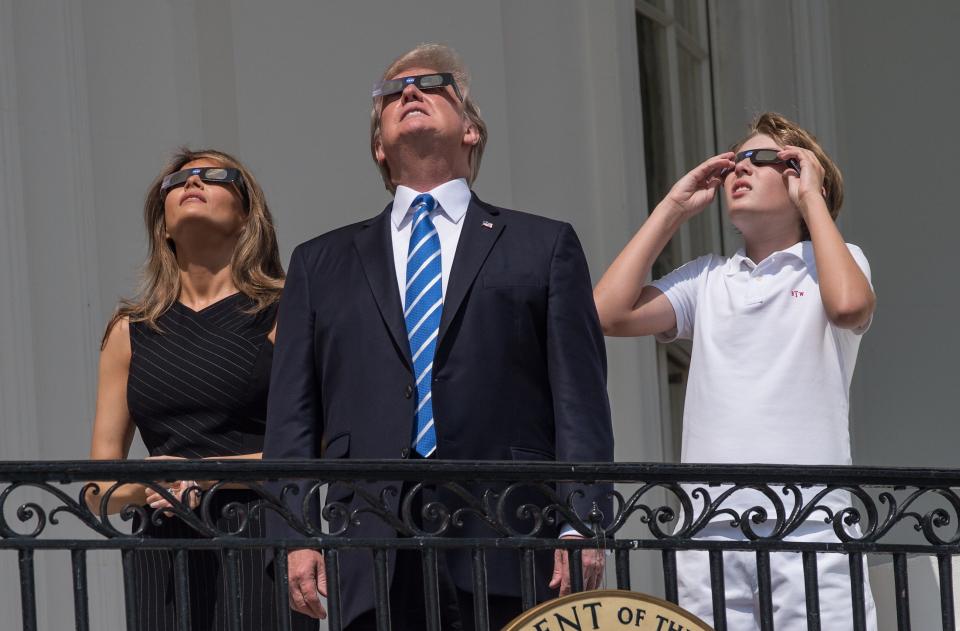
(810,181)
(698,188)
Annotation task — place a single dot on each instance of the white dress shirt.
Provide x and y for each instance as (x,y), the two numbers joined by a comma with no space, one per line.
(452,197)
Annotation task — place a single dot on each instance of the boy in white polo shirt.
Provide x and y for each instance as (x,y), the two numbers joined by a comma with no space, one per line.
(775,329)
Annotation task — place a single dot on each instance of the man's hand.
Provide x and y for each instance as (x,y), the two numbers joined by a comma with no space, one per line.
(593,565)
(694,191)
(307,582)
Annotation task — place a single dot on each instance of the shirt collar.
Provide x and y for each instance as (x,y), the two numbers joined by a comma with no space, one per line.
(802,250)
(452,197)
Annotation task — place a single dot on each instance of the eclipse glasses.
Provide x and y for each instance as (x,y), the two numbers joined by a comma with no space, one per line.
(422,81)
(763,157)
(214,175)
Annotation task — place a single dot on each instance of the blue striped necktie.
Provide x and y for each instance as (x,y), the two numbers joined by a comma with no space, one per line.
(422,308)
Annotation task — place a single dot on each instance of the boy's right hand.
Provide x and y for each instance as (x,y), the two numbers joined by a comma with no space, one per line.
(698,188)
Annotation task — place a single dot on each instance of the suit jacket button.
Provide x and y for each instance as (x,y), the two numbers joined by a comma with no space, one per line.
(405,452)
(409,391)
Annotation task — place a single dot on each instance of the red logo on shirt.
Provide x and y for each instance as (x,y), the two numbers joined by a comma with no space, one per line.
(796,293)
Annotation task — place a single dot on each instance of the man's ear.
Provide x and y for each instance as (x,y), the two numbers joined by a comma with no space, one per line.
(471,135)
(378,151)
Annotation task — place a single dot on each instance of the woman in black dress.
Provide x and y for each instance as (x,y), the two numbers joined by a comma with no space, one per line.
(187,363)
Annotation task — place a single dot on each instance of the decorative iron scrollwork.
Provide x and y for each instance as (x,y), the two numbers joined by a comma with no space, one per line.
(436,507)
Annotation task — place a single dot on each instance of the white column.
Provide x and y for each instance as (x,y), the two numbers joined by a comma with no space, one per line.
(18,416)
(17,399)
(813,59)
(57,238)
(617,185)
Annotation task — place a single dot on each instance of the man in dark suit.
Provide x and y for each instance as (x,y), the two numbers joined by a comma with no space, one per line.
(444,327)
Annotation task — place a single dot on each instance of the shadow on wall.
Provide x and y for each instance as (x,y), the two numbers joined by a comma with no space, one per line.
(924,589)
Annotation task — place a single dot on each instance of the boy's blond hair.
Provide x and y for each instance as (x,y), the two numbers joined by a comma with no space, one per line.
(785,132)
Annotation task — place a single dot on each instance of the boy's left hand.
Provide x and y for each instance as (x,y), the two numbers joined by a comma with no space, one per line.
(810,180)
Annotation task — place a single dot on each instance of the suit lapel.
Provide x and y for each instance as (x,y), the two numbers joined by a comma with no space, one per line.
(375,247)
(481,229)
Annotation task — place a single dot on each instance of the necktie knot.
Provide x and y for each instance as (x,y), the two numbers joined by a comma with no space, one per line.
(424,201)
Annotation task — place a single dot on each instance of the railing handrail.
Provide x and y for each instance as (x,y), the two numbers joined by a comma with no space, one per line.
(487,470)
(508,510)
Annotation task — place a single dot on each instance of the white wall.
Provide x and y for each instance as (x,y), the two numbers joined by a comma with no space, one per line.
(898,97)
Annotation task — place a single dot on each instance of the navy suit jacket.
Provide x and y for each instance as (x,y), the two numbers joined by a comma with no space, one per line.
(519,371)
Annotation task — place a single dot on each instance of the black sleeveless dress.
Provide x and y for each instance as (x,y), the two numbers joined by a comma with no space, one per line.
(198,388)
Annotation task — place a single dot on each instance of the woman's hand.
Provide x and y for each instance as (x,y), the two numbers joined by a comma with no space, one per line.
(698,188)
(810,181)
(185,491)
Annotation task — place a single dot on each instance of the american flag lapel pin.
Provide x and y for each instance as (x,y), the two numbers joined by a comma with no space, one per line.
(488,225)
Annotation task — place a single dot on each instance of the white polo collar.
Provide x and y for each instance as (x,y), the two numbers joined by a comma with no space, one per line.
(802,250)
(452,197)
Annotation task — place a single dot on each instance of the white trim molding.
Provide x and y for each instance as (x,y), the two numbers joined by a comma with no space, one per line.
(813,62)
(81,174)
(18,411)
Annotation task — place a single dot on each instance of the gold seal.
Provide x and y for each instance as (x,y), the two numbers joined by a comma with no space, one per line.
(607,610)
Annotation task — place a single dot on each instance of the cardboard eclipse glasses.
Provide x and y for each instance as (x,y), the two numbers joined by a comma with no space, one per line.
(422,81)
(762,157)
(213,175)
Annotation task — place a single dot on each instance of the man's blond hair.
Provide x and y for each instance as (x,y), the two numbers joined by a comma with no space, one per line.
(441,58)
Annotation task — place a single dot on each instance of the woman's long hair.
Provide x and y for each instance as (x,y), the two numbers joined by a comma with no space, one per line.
(255,266)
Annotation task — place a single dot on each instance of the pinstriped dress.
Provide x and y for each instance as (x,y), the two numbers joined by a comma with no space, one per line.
(198,388)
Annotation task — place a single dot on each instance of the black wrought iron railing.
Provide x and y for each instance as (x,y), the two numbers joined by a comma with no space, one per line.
(874,512)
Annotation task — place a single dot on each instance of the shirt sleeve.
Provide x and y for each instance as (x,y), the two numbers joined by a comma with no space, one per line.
(861,260)
(682,288)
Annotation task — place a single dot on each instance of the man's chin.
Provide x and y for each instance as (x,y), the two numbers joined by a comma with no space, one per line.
(416,124)
(422,135)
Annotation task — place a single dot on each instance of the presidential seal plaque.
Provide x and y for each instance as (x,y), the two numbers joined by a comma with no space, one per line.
(607,610)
